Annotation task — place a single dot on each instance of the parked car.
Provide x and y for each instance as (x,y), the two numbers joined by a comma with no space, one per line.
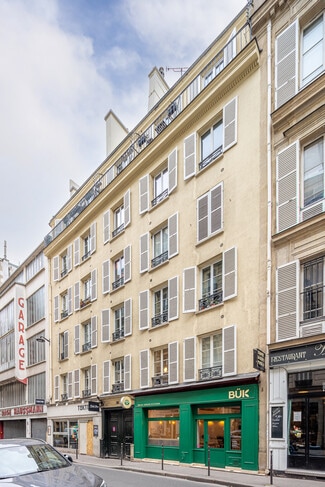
(27,462)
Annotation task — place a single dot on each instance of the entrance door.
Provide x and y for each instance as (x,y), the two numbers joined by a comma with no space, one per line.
(307,433)
(118,427)
(211,436)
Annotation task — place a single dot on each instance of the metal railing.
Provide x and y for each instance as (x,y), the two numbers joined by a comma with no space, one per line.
(212,300)
(159,380)
(86,346)
(118,387)
(118,335)
(86,393)
(159,259)
(159,319)
(159,198)
(210,373)
(210,158)
(118,283)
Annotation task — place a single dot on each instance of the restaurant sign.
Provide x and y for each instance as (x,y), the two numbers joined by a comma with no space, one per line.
(312,351)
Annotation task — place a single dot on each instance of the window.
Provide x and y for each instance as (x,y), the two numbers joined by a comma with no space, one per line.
(160,247)
(118,272)
(86,328)
(211,285)
(160,186)
(64,304)
(312,50)
(64,264)
(163,427)
(313,161)
(313,289)
(7,318)
(36,387)
(160,367)
(118,375)
(64,380)
(35,266)
(211,356)
(87,383)
(211,144)
(210,213)
(118,324)
(160,306)
(64,345)
(118,220)
(35,350)
(36,307)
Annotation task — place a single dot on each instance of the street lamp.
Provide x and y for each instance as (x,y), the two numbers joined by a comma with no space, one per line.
(42,339)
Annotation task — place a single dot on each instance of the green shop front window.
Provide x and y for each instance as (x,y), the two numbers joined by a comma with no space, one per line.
(163,427)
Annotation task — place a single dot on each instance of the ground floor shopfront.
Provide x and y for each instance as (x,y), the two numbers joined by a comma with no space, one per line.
(23,421)
(297,407)
(213,425)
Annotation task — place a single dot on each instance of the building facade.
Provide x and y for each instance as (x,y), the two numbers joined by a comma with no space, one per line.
(157,274)
(24,352)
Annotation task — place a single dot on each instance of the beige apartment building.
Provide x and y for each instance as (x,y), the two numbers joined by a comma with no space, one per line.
(292,34)
(158,272)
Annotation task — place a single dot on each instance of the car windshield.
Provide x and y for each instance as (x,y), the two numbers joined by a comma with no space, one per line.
(20,460)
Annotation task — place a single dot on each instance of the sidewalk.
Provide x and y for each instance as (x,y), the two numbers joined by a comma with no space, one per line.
(230,478)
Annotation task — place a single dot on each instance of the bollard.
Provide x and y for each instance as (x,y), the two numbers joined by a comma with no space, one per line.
(208,461)
(121,453)
(271,467)
(162,457)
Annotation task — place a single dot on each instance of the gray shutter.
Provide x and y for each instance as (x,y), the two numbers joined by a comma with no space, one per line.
(286,64)
(66,344)
(77,339)
(77,383)
(69,258)
(216,213)
(56,387)
(70,384)
(203,217)
(77,251)
(93,331)
(105,325)
(56,268)
(189,359)
(189,290)
(287,301)
(173,363)
(173,235)
(106,376)
(229,353)
(77,296)
(127,263)
(172,171)
(287,184)
(105,267)
(93,237)
(144,368)
(127,372)
(128,317)
(106,226)
(230,124)
(190,156)
(173,298)
(70,300)
(56,308)
(93,291)
(144,194)
(144,252)
(229,273)
(93,379)
(127,209)
(144,310)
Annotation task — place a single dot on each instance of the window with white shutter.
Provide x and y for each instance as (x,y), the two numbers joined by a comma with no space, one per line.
(144,252)
(144,310)
(287,301)
(189,290)
(229,352)
(286,64)
(173,363)
(56,387)
(106,229)
(69,257)
(144,368)
(127,372)
(173,298)
(94,379)
(106,376)
(93,284)
(70,385)
(230,124)
(127,208)
(229,273)
(77,296)
(77,383)
(127,264)
(105,325)
(56,268)
(173,235)
(77,339)
(92,237)
(70,300)
(189,359)
(128,317)
(77,251)
(210,213)
(56,308)
(190,156)
(144,194)
(105,276)
(287,172)
(93,331)
(172,171)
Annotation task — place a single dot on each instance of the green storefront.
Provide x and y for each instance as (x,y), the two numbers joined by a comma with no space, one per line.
(190,426)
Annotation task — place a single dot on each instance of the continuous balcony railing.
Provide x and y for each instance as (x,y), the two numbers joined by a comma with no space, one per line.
(140,141)
(210,373)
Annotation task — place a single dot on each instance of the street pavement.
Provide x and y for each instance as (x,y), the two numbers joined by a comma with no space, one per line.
(227,477)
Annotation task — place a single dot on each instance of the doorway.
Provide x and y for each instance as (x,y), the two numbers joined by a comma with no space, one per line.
(118,432)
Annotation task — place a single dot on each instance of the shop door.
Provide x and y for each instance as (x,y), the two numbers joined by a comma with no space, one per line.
(211,433)
(307,433)
(120,432)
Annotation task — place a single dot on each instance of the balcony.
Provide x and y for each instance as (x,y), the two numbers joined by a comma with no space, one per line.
(159,259)
(118,387)
(64,397)
(64,314)
(159,380)
(159,319)
(138,142)
(118,283)
(118,335)
(160,198)
(210,373)
(86,346)
(84,302)
(212,300)
(118,230)
(86,393)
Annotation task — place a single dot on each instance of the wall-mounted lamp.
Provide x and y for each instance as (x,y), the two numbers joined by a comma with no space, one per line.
(42,339)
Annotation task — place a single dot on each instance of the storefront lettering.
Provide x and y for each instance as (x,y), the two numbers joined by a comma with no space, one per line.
(20,341)
(312,351)
(289,357)
(23,410)
(83,407)
(320,349)
(238,394)
(6,412)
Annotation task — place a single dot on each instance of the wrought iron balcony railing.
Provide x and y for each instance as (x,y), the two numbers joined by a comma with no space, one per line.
(159,259)
(159,380)
(209,301)
(64,397)
(64,314)
(86,393)
(210,158)
(84,302)
(118,283)
(159,198)
(118,230)
(210,373)
(86,346)
(159,319)
(118,387)
(118,335)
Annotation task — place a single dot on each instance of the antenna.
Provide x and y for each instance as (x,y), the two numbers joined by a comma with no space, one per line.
(177,70)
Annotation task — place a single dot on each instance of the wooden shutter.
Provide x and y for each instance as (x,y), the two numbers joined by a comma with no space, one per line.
(56,268)
(56,308)
(105,325)
(229,273)
(128,317)
(229,353)
(77,296)
(92,237)
(106,234)
(69,258)
(286,64)
(144,252)
(287,301)
(173,363)
(77,339)
(190,156)
(230,124)
(172,171)
(105,267)
(173,298)
(203,217)
(106,376)
(144,368)
(66,344)
(287,185)
(70,384)
(70,300)
(189,359)
(127,263)
(173,235)
(56,387)
(189,290)
(77,251)
(127,372)
(93,369)
(77,383)
(216,210)
(93,331)
(144,310)
(93,284)
(144,194)
(127,209)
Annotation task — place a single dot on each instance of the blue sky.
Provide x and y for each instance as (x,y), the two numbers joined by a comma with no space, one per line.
(65,64)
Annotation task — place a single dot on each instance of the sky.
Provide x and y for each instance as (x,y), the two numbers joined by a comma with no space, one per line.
(64,65)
